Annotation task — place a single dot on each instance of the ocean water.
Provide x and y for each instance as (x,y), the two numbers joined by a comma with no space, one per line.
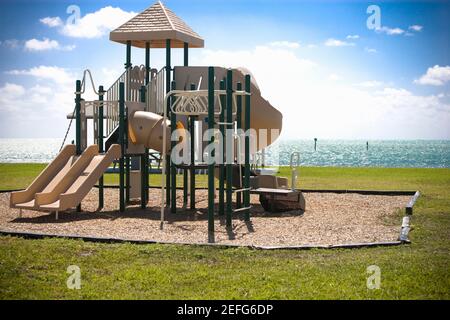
(343,153)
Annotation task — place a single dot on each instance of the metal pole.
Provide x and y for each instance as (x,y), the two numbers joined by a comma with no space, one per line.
(168,78)
(239,126)
(186,54)
(221,164)
(185,171)
(78,122)
(147,63)
(173,173)
(128,55)
(147,81)
(143,162)
(127,97)
(127,179)
(100,145)
(211,162)
(247,149)
(122,144)
(192,171)
(229,149)
(78,116)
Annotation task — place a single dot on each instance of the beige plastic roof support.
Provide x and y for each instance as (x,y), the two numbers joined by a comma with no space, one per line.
(45,177)
(155,25)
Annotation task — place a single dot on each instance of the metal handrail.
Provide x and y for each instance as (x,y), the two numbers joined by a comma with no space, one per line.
(294,164)
(83,83)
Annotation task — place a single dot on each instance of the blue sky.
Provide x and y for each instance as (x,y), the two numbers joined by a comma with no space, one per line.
(316,61)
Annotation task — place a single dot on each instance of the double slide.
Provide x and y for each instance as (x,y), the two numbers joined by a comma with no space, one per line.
(66,180)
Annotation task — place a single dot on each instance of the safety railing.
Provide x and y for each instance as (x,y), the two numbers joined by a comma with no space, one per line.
(195,102)
(156,91)
(133,79)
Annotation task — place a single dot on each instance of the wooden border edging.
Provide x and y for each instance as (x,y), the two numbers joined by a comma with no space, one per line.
(365,192)
(411,203)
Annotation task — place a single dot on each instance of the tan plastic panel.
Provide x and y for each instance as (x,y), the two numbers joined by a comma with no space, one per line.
(147,128)
(51,193)
(48,176)
(85,180)
(262,114)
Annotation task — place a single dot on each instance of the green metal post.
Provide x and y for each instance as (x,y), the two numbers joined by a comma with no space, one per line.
(122,144)
(143,162)
(185,171)
(186,54)
(211,140)
(247,149)
(239,126)
(185,187)
(127,179)
(78,122)
(147,81)
(229,147)
(100,145)
(173,173)
(192,147)
(221,164)
(127,158)
(168,80)
(78,116)
(128,55)
(147,63)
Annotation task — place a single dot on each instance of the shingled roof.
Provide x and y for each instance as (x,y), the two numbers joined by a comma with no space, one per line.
(155,25)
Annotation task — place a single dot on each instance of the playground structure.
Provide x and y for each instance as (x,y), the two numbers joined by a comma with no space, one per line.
(142,111)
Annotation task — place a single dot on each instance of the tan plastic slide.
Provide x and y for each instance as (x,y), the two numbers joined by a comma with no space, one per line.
(66,180)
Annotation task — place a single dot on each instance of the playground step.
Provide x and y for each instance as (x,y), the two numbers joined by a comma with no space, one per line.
(241,190)
(242,209)
(225,123)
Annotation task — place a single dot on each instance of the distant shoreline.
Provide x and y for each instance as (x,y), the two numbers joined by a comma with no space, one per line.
(329,153)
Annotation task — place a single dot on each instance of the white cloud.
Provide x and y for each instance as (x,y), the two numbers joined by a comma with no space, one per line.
(352,37)
(11,90)
(370,50)
(390,31)
(370,84)
(313,106)
(338,43)
(285,44)
(46,44)
(435,76)
(416,28)
(40,45)
(41,89)
(56,74)
(98,23)
(334,77)
(52,22)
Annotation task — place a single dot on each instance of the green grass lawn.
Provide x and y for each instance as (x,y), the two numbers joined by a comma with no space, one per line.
(34,269)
